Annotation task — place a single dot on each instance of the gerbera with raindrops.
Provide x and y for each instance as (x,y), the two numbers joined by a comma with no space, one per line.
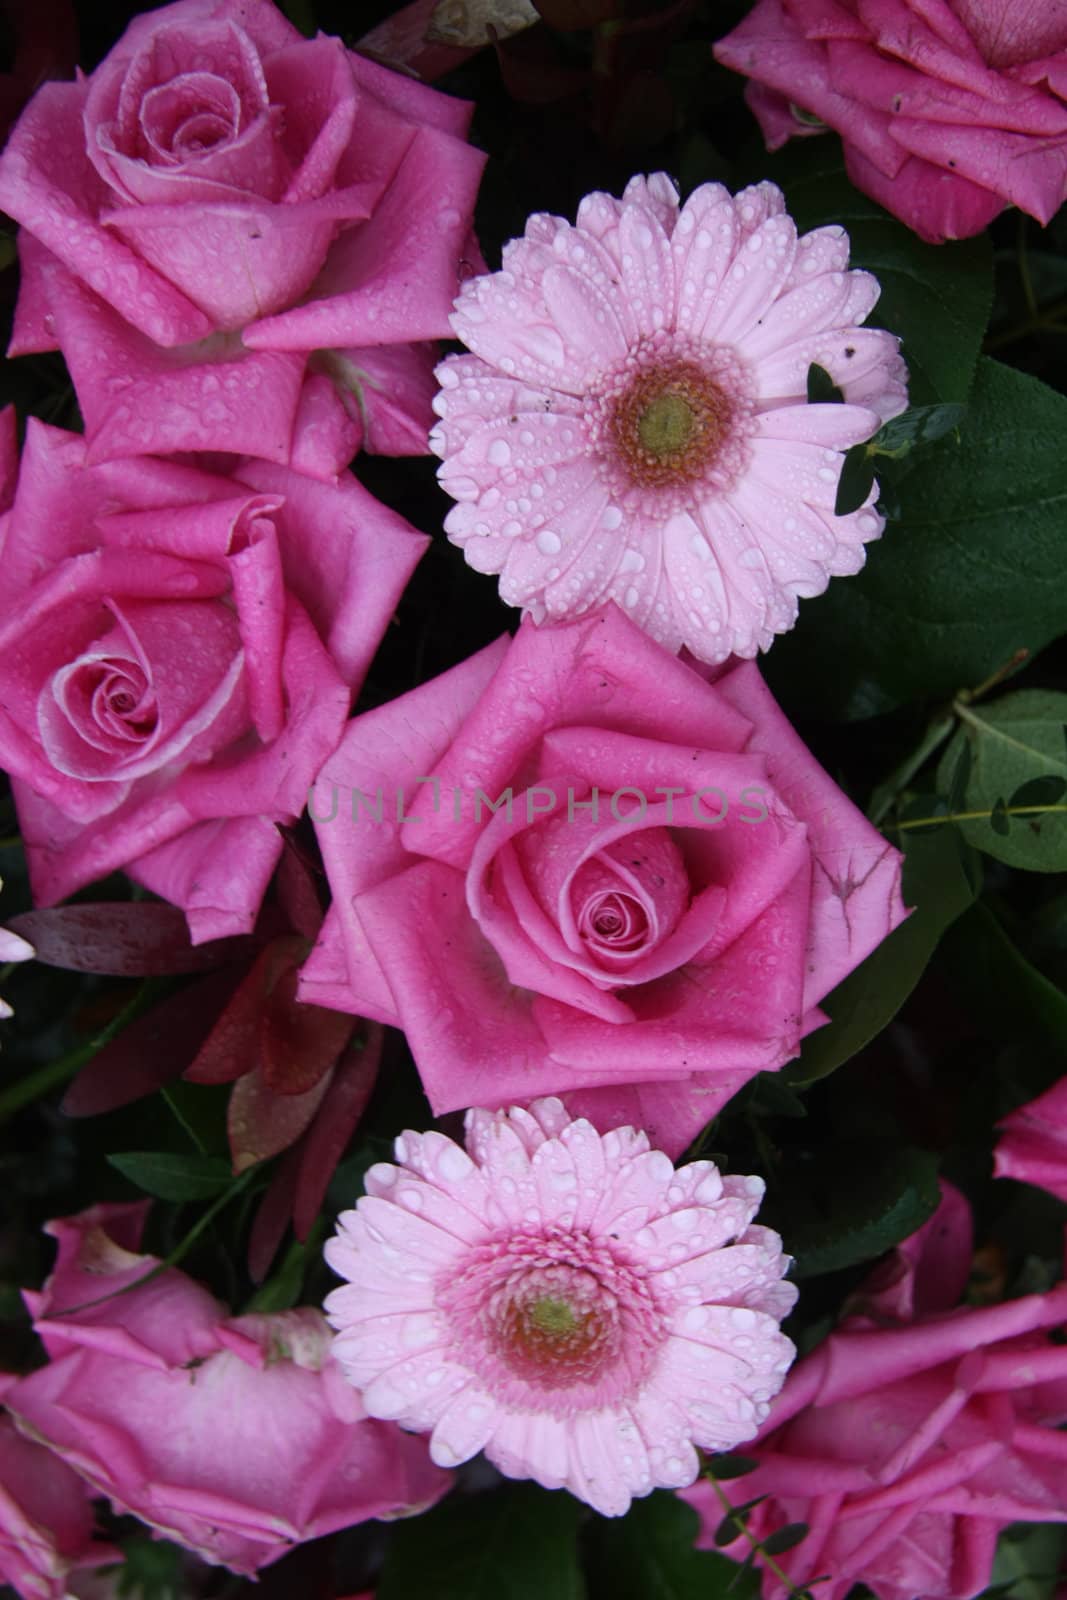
(633,423)
(567,1301)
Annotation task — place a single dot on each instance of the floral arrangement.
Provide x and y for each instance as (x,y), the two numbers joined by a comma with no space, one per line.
(532,710)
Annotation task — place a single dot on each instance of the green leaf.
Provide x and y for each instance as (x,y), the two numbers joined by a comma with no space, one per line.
(1016,749)
(282,1290)
(1029,1561)
(921,425)
(153,1569)
(649,1555)
(970,573)
(936,883)
(855,482)
(872,1194)
(174,1177)
(936,297)
(1039,792)
(822,390)
(1005,993)
(514,1543)
(787,1538)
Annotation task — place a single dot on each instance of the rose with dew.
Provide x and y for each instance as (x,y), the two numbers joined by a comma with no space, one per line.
(178,653)
(237,1437)
(650,919)
(914,1434)
(220,198)
(570,1303)
(948,110)
(46,1517)
(633,423)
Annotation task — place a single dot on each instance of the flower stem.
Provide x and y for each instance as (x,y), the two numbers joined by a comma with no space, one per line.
(49,1077)
(975,816)
(757,1549)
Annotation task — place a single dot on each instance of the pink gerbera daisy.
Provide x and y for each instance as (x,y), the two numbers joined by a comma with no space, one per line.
(634,425)
(565,1300)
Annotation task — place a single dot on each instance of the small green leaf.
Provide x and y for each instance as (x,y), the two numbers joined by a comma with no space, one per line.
(732,1524)
(1039,792)
(785,1538)
(174,1177)
(856,481)
(822,390)
(998,818)
(853,1207)
(921,425)
(729,1529)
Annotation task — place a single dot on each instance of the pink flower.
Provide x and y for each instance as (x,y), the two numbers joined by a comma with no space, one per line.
(12,948)
(1033,1142)
(949,110)
(633,424)
(236,1437)
(178,650)
(567,1302)
(914,1433)
(652,918)
(222,197)
(46,1519)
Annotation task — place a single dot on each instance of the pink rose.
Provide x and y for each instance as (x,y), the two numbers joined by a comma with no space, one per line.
(237,1437)
(241,196)
(178,651)
(1033,1142)
(46,1518)
(653,918)
(949,110)
(912,1435)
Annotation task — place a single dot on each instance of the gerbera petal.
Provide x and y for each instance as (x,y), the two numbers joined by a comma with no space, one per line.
(761,267)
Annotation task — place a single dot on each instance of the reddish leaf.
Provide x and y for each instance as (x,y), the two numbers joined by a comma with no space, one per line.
(337,1120)
(400,41)
(152,1050)
(272,1216)
(122,939)
(262,1123)
(233,1047)
(298,1042)
(297,889)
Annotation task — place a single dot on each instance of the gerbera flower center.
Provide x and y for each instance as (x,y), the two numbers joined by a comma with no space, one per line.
(554,1323)
(552,1316)
(670,423)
